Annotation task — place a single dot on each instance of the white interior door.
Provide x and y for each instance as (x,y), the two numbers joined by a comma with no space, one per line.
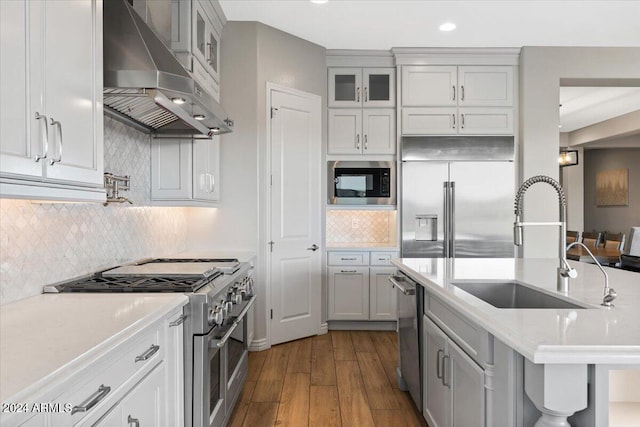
(295,215)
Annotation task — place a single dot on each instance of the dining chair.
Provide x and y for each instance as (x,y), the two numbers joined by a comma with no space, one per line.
(573,236)
(591,239)
(614,240)
(630,262)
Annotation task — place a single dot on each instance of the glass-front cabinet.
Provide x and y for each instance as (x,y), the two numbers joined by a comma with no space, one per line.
(206,40)
(362,87)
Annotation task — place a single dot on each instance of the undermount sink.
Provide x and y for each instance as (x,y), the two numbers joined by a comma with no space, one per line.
(513,295)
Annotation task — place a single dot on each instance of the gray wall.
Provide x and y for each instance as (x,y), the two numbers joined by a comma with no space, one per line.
(614,219)
(542,71)
(253,54)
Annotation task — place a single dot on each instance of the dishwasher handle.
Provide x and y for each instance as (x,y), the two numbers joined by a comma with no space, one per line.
(395,281)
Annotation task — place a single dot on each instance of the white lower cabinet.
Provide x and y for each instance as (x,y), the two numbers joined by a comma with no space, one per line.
(358,291)
(453,384)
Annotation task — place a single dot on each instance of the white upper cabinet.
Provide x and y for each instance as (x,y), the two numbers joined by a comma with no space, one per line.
(450,100)
(362,131)
(51,130)
(444,86)
(196,29)
(362,87)
(185,172)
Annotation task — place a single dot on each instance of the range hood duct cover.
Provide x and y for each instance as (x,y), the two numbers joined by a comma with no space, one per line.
(142,77)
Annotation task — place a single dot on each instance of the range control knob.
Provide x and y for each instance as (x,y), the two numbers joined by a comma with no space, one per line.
(216,316)
(237,297)
(228,306)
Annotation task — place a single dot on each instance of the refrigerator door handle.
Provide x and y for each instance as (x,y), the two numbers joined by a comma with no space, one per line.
(445,231)
(452,219)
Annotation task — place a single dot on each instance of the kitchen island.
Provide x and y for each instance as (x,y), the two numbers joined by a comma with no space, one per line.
(564,351)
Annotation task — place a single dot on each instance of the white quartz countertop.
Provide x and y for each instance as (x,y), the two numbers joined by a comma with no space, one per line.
(45,337)
(362,247)
(242,256)
(595,335)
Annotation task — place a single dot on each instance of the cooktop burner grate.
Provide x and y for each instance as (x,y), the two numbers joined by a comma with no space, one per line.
(159,260)
(114,284)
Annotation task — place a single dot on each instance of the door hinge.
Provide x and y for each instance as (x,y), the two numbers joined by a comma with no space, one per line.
(272,313)
(271,245)
(273,112)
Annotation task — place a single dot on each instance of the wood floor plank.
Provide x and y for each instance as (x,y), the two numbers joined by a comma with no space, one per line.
(269,384)
(324,408)
(294,401)
(376,383)
(244,400)
(261,414)
(389,418)
(342,345)
(300,357)
(388,354)
(256,361)
(413,418)
(322,362)
(354,407)
(362,342)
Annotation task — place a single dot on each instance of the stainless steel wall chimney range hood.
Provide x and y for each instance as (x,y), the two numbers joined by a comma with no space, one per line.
(144,82)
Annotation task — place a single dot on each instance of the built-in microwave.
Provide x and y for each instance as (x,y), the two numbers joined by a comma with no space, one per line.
(361,183)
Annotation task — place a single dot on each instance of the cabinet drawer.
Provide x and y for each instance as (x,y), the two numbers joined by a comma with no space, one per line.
(135,358)
(348,258)
(472,339)
(382,258)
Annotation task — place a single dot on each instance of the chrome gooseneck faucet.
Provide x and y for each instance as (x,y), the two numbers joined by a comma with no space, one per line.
(609,294)
(564,269)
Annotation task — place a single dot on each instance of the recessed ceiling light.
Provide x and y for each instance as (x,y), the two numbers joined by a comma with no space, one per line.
(199,116)
(447,26)
(319,1)
(178,100)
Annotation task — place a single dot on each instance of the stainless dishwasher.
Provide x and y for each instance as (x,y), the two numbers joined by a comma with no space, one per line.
(409,335)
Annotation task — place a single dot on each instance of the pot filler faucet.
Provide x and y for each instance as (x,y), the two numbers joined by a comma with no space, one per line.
(564,269)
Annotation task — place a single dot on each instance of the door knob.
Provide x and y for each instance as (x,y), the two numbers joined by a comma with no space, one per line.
(313,248)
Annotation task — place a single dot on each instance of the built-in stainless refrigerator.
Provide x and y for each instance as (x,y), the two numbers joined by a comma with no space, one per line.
(457,197)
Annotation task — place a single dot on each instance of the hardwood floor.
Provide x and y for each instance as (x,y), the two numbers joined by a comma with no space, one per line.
(343,378)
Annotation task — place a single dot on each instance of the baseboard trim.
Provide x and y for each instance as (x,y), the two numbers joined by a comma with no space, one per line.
(354,325)
(324,328)
(259,345)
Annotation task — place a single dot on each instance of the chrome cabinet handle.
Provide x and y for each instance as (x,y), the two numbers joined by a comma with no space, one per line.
(313,248)
(454,121)
(134,421)
(179,321)
(438,355)
(462,93)
(454,93)
(213,182)
(348,271)
(59,126)
(366,140)
(366,94)
(347,259)
(147,354)
(357,94)
(45,138)
(207,53)
(358,141)
(445,381)
(203,182)
(462,124)
(92,400)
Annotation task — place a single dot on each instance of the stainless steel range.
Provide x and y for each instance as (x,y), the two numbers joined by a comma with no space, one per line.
(215,349)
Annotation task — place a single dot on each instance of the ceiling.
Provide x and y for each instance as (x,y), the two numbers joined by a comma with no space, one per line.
(383,24)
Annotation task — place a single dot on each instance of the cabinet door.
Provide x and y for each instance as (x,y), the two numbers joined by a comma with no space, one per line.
(485,121)
(467,385)
(345,128)
(345,87)
(200,33)
(73,90)
(382,301)
(214,169)
(425,86)
(483,86)
(379,131)
(171,169)
(22,135)
(436,395)
(201,177)
(348,293)
(429,121)
(379,87)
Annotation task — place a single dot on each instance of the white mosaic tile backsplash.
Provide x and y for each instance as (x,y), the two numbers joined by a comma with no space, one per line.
(43,243)
(360,227)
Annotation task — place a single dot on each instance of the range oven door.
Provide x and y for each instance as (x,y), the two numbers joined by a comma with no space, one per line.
(208,381)
(237,356)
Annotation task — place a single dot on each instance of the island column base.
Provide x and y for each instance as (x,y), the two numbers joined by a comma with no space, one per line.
(558,391)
